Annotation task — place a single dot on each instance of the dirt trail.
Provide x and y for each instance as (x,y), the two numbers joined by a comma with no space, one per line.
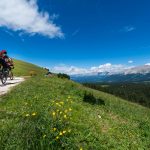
(10,83)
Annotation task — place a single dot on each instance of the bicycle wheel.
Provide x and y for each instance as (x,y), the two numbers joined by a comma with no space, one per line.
(3,78)
(11,76)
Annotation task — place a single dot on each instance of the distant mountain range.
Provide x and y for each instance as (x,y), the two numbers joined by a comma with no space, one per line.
(135,74)
(141,70)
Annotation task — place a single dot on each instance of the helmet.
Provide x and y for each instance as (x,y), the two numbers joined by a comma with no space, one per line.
(3,52)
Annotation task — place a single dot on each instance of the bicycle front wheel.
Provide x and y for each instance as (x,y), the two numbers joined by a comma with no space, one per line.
(3,79)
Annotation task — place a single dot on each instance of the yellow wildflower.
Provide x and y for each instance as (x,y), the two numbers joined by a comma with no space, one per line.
(53,113)
(27,115)
(60,133)
(99,117)
(44,135)
(60,112)
(70,109)
(64,132)
(57,137)
(54,129)
(62,103)
(34,114)
(58,104)
(66,111)
(81,148)
(65,116)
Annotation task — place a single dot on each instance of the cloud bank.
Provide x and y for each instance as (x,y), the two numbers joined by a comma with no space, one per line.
(71,70)
(108,67)
(147,64)
(24,15)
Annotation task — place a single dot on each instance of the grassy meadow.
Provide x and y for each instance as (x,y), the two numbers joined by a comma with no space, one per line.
(49,113)
(24,69)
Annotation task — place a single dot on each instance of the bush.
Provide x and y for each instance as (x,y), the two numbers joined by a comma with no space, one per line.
(90,98)
(63,76)
(49,74)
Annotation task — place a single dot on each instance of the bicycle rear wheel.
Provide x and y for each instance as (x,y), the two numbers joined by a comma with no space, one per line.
(11,76)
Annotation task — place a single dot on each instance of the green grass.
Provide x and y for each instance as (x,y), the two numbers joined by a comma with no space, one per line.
(23,68)
(117,125)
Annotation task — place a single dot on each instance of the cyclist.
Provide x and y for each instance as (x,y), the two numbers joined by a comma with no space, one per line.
(3,64)
(7,61)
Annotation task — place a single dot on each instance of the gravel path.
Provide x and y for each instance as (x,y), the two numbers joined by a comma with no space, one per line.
(9,84)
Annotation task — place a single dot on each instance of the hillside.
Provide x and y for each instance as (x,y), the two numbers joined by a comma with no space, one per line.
(134,92)
(23,68)
(49,113)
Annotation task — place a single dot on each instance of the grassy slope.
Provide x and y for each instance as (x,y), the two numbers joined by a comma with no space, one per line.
(23,69)
(117,125)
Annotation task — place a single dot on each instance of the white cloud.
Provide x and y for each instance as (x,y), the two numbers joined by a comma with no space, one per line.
(72,70)
(24,16)
(130,61)
(110,68)
(128,29)
(148,64)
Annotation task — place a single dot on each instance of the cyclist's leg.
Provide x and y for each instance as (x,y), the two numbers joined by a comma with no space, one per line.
(3,63)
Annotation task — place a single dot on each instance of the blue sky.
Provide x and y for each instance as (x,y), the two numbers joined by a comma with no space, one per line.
(77,33)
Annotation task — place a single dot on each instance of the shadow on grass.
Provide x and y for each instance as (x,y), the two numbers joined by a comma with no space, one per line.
(90,98)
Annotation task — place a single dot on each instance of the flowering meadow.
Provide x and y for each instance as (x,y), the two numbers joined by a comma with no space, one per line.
(50,114)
